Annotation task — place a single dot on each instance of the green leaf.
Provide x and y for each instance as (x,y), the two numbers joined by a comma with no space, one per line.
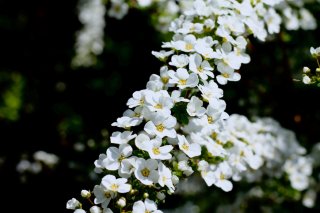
(179,111)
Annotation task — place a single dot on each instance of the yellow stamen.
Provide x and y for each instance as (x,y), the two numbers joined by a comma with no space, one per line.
(165,80)
(189,46)
(114,187)
(156,151)
(160,128)
(185,146)
(182,82)
(158,106)
(145,172)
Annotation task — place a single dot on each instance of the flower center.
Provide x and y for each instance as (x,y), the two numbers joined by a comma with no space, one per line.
(210,120)
(158,106)
(121,158)
(226,75)
(114,187)
(156,151)
(185,146)
(189,46)
(222,177)
(160,128)
(183,82)
(145,172)
(165,80)
(107,194)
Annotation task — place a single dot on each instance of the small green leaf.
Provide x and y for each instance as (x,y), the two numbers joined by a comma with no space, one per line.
(179,111)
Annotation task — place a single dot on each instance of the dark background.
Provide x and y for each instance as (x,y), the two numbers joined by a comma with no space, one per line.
(62,106)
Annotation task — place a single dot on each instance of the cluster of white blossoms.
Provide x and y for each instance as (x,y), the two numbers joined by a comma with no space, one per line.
(312,76)
(273,149)
(178,125)
(40,160)
(89,40)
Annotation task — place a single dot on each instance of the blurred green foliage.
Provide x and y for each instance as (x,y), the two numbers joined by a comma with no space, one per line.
(11,89)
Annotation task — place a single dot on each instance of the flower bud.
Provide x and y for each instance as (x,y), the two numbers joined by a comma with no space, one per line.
(85,194)
(306,69)
(175,179)
(95,209)
(79,211)
(121,202)
(161,196)
(145,195)
(73,204)
(306,79)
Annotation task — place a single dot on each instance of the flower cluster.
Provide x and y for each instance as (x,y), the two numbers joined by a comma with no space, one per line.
(40,161)
(178,125)
(312,76)
(89,42)
(275,148)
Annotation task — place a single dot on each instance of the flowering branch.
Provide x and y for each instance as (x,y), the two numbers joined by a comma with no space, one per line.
(178,126)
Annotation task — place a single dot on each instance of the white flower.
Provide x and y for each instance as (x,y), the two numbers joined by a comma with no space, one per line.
(125,122)
(200,67)
(137,99)
(207,172)
(162,55)
(73,204)
(156,151)
(190,149)
(148,206)
(144,3)
(291,19)
(194,107)
(135,115)
(116,155)
(142,140)
(179,60)
(201,8)
(222,173)
(315,52)
(210,91)
(298,181)
(102,195)
(183,79)
(146,171)
(118,9)
(228,75)
(309,198)
(204,47)
(176,96)
(159,102)
(186,44)
(115,184)
(306,79)
(273,21)
(99,165)
(165,177)
(189,27)
(161,126)
(185,168)
(127,167)
(307,21)
(122,137)
(215,112)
